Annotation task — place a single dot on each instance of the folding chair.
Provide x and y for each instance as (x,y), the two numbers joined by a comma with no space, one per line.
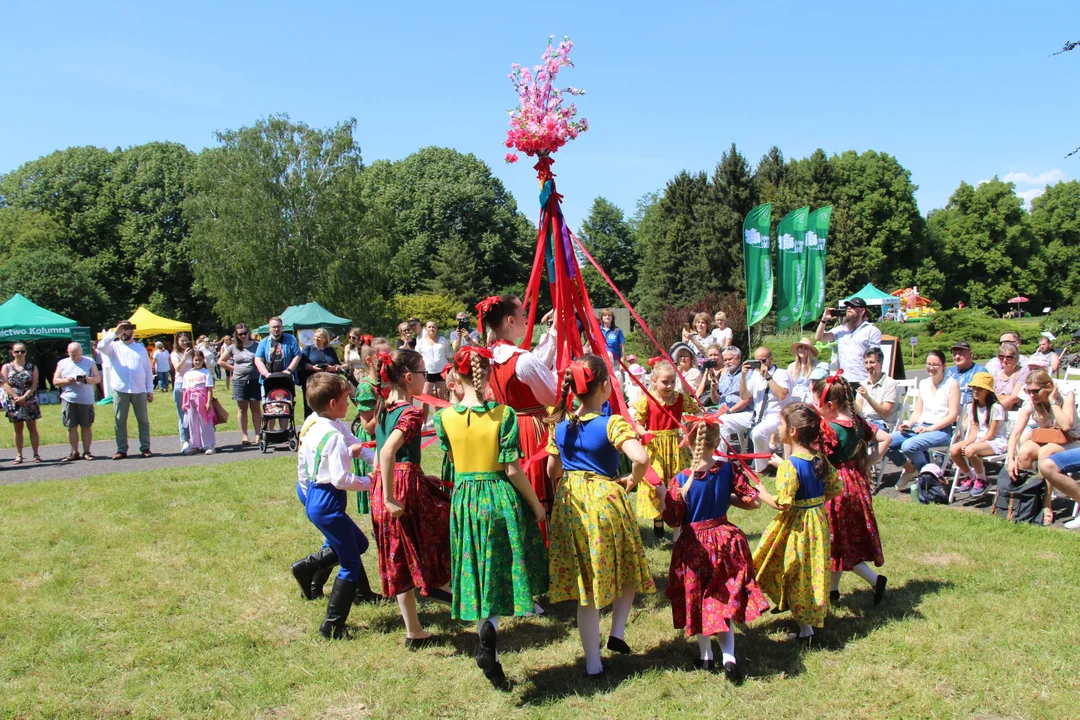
(907,406)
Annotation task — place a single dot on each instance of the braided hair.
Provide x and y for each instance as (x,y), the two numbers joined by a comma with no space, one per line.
(840,393)
(804,422)
(706,436)
(392,370)
(599,371)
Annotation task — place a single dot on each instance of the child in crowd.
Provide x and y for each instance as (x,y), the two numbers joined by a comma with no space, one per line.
(853,532)
(711,580)
(367,389)
(198,404)
(792,558)
(664,427)
(522,380)
(596,552)
(499,562)
(631,390)
(409,511)
(985,435)
(324,474)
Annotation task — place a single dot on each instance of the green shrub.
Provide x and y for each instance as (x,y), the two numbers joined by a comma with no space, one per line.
(967,324)
(900,330)
(440,308)
(1063,321)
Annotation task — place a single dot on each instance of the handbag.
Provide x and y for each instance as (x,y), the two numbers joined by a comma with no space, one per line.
(1050,436)
(221,415)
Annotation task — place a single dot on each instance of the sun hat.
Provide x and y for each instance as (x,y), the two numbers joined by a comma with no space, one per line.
(1049,335)
(636,370)
(805,342)
(982,380)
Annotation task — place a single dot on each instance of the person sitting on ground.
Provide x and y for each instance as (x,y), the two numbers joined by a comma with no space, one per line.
(985,436)
(964,369)
(1045,356)
(1046,407)
(1010,377)
(76,377)
(878,395)
(769,390)
(931,424)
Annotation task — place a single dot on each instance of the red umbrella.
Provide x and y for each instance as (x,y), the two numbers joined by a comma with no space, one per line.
(1018,299)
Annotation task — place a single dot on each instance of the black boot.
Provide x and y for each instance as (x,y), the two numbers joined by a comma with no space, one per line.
(318,582)
(364,593)
(337,610)
(305,571)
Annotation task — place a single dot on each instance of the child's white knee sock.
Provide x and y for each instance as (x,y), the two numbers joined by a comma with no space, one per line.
(620,612)
(588,625)
(704,643)
(727,645)
(834,580)
(863,570)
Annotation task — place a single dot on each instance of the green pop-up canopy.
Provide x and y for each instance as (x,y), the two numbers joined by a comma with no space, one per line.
(873,296)
(310,316)
(22,321)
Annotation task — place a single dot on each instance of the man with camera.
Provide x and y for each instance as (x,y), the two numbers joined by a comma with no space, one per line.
(132,386)
(854,336)
(767,388)
(76,377)
(465,334)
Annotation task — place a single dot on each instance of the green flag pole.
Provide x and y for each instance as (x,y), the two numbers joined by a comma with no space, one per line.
(757,264)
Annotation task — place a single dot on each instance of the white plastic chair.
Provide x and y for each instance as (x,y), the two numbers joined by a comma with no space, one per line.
(1010,423)
(908,391)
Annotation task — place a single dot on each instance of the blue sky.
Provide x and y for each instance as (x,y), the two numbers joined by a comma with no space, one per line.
(956,90)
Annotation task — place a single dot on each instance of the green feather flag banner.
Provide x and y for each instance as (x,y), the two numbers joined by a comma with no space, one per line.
(757,263)
(791,262)
(817,232)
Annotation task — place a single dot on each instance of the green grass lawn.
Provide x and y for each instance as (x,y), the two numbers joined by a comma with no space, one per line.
(170,597)
(162,421)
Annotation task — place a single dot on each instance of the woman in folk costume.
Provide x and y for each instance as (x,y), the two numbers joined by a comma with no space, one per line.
(852,526)
(664,448)
(522,380)
(499,562)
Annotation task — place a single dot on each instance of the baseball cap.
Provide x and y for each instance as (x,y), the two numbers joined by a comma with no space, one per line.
(855,303)
(962,345)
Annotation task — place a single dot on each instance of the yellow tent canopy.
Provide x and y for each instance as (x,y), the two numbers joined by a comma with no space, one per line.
(147,324)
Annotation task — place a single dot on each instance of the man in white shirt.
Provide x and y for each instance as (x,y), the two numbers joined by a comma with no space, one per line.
(853,338)
(878,394)
(769,389)
(133,384)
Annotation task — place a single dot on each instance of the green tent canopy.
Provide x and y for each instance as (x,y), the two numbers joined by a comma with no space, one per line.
(23,321)
(308,317)
(873,296)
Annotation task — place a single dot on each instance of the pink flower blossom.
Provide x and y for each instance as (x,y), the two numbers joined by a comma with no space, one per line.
(541,124)
(511,158)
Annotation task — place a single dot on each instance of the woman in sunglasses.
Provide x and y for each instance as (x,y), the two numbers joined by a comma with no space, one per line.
(239,359)
(1009,376)
(20,383)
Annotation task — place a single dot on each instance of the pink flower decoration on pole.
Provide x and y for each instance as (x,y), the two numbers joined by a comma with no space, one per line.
(541,124)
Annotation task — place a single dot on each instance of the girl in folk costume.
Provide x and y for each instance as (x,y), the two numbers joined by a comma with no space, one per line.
(664,447)
(711,581)
(197,403)
(596,552)
(499,562)
(792,558)
(367,391)
(522,380)
(853,531)
(410,512)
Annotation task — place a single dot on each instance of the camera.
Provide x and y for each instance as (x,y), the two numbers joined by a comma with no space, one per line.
(710,364)
(80,378)
(754,364)
(463,324)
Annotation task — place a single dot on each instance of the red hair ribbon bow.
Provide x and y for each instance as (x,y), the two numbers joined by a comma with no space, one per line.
(829,381)
(582,377)
(365,340)
(446,369)
(385,361)
(828,435)
(653,360)
(463,358)
(482,307)
(693,422)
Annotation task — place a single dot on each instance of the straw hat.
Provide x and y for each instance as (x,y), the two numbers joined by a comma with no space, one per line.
(805,342)
(982,380)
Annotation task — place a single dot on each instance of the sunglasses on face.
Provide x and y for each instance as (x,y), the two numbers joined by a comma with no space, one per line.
(241,334)
(1006,357)
(18,352)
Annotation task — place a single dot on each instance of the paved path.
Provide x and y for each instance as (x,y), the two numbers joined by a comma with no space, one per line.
(166,455)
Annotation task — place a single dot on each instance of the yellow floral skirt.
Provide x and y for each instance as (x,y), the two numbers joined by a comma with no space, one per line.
(792,561)
(596,547)
(668,459)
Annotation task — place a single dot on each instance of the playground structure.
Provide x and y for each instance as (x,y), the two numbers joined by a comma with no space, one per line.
(915,306)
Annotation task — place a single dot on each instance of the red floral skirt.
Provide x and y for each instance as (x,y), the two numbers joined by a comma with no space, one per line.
(852,525)
(414,549)
(711,580)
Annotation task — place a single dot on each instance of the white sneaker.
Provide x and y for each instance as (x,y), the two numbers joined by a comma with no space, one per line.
(1073,524)
(186,449)
(211,451)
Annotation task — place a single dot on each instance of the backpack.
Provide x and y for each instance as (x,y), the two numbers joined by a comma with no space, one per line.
(931,490)
(1022,501)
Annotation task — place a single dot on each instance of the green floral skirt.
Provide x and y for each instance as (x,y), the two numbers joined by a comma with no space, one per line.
(359,467)
(499,562)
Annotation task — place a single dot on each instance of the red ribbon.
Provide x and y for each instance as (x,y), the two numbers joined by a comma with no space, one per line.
(482,307)
(828,435)
(432,400)
(385,361)
(654,360)
(582,375)
(366,339)
(463,358)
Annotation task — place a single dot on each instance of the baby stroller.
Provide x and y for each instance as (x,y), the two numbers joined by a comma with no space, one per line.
(278,396)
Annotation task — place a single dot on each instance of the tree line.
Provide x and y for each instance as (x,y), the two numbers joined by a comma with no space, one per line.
(280,213)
